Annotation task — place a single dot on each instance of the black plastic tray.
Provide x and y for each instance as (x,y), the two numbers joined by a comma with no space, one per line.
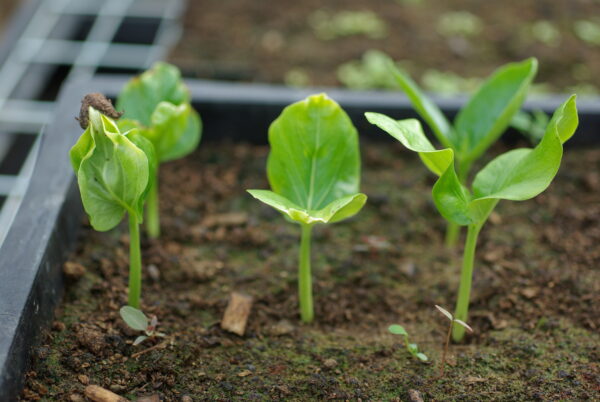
(45,227)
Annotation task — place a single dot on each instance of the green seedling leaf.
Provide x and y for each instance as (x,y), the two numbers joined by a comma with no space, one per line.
(412,348)
(134,318)
(489,112)
(445,312)
(112,172)
(422,357)
(397,330)
(517,175)
(141,95)
(158,103)
(139,340)
(314,164)
(423,105)
(410,133)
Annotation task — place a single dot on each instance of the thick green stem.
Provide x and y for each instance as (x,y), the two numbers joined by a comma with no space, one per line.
(152,213)
(135,263)
(452,233)
(304,276)
(466,276)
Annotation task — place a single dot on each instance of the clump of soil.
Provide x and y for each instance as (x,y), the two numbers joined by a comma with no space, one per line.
(263,41)
(534,305)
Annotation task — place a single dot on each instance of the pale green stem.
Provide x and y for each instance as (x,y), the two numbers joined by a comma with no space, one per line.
(452,233)
(304,276)
(152,212)
(135,263)
(466,276)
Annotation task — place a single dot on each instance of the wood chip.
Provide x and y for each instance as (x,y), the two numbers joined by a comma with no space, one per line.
(414,395)
(236,314)
(99,394)
(472,379)
(151,398)
(73,270)
(244,373)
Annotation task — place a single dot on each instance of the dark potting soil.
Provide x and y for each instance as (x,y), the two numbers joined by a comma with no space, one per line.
(262,41)
(534,309)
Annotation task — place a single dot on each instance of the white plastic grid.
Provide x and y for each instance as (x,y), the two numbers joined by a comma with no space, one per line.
(35,48)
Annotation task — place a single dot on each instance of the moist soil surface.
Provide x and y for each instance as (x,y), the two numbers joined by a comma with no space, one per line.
(262,41)
(534,310)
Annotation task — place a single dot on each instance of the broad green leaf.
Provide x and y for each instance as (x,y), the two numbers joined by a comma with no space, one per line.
(410,133)
(425,107)
(112,172)
(142,94)
(314,163)
(517,175)
(489,112)
(397,330)
(336,211)
(133,317)
(188,140)
(422,357)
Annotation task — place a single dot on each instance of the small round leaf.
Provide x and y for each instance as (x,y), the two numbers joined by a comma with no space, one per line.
(134,318)
(397,330)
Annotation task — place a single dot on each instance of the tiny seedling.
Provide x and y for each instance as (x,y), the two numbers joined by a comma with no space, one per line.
(479,123)
(314,171)
(138,321)
(327,26)
(517,175)
(412,348)
(114,171)
(158,104)
(452,322)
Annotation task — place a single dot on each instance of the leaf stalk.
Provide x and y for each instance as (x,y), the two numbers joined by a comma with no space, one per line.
(135,263)
(305,277)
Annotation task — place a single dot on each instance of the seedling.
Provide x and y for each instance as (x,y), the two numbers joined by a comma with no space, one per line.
(479,123)
(138,321)
(328,26)
(314,171)
(114,171)
(516,175)
(452,322)
(158,104)
(412,348)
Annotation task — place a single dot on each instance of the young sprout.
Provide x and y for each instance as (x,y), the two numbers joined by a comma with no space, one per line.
(314,171)
(516,175)
(452,321)
(114,170)
(479,123)
(412,348)
(158,104)
(138,321)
